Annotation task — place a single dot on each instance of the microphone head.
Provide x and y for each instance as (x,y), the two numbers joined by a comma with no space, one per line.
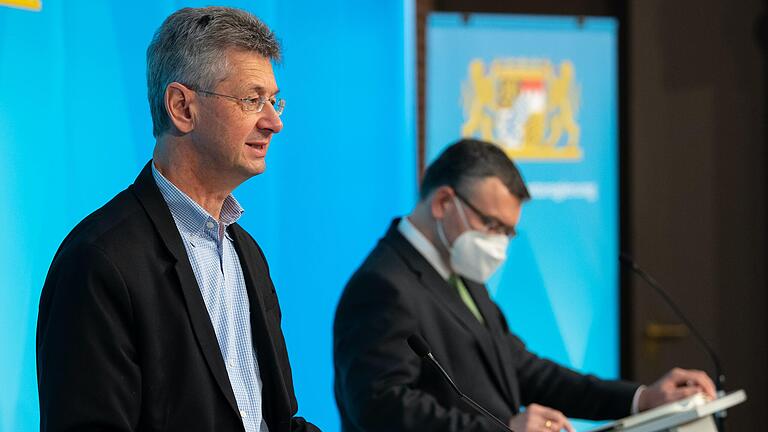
(418,345)
(627,260)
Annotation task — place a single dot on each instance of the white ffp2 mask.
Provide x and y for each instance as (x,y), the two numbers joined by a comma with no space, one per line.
(474,254)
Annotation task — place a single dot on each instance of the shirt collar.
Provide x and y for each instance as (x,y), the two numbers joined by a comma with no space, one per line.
(423,246)
(189,215)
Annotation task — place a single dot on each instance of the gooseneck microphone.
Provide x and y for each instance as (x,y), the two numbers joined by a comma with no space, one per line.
(720,376)
(420,347)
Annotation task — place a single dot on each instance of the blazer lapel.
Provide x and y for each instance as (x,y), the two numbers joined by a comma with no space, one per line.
(149,195)
(257,281)
(449,297)
(480,294)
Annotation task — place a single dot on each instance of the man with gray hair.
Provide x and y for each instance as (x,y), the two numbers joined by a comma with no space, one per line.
(158,312)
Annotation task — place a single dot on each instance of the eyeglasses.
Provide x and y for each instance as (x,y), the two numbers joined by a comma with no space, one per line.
(490,223)
(255,104)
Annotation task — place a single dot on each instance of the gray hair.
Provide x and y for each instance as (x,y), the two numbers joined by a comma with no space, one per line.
(190,48)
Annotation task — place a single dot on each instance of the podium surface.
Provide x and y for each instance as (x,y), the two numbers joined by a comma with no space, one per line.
(692,414)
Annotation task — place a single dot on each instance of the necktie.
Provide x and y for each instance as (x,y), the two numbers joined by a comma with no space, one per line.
(466,297)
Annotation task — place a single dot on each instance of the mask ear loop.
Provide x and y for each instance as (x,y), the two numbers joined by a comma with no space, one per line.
(462,215)
(441,231)
(441,234)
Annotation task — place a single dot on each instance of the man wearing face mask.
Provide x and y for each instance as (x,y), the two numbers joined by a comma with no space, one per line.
(426,276)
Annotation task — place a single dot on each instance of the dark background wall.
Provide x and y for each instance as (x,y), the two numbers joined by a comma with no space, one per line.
(696,187)
(694,192)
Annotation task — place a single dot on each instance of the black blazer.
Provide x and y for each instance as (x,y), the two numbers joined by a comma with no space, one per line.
(124,340)
(381,385)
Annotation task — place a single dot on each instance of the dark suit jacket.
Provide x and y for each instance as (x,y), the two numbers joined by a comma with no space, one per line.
(124,340)
(381,385)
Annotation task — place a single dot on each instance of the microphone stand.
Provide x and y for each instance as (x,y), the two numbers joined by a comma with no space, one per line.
(466,398)
(421,348)
(719,374)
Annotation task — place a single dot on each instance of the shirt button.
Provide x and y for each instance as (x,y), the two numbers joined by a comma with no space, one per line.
(231,363)
(243,414)
(209,224)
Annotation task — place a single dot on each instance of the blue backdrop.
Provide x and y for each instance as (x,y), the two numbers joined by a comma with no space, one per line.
(75,129)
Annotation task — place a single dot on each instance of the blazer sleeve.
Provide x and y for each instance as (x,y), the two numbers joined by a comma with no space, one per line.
(377,374)
(298,424)
(88,378)
(576,395)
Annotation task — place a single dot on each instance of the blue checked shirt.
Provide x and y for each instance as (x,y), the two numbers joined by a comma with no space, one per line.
(220,278)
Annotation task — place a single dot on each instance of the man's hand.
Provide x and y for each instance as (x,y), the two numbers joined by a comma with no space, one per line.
(675,385)
(540,418)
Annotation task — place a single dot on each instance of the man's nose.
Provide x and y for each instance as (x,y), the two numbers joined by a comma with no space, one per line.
(270,120)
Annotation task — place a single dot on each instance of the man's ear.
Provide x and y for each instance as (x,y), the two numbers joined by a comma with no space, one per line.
(439,200)
(179,104)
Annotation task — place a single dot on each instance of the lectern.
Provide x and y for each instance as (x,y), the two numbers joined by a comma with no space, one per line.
(693,414)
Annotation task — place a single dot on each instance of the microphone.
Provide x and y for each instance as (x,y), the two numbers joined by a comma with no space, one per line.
(629,262)
(719,374)
(420,347)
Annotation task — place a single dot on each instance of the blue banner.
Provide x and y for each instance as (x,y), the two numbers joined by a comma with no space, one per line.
(544,90)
